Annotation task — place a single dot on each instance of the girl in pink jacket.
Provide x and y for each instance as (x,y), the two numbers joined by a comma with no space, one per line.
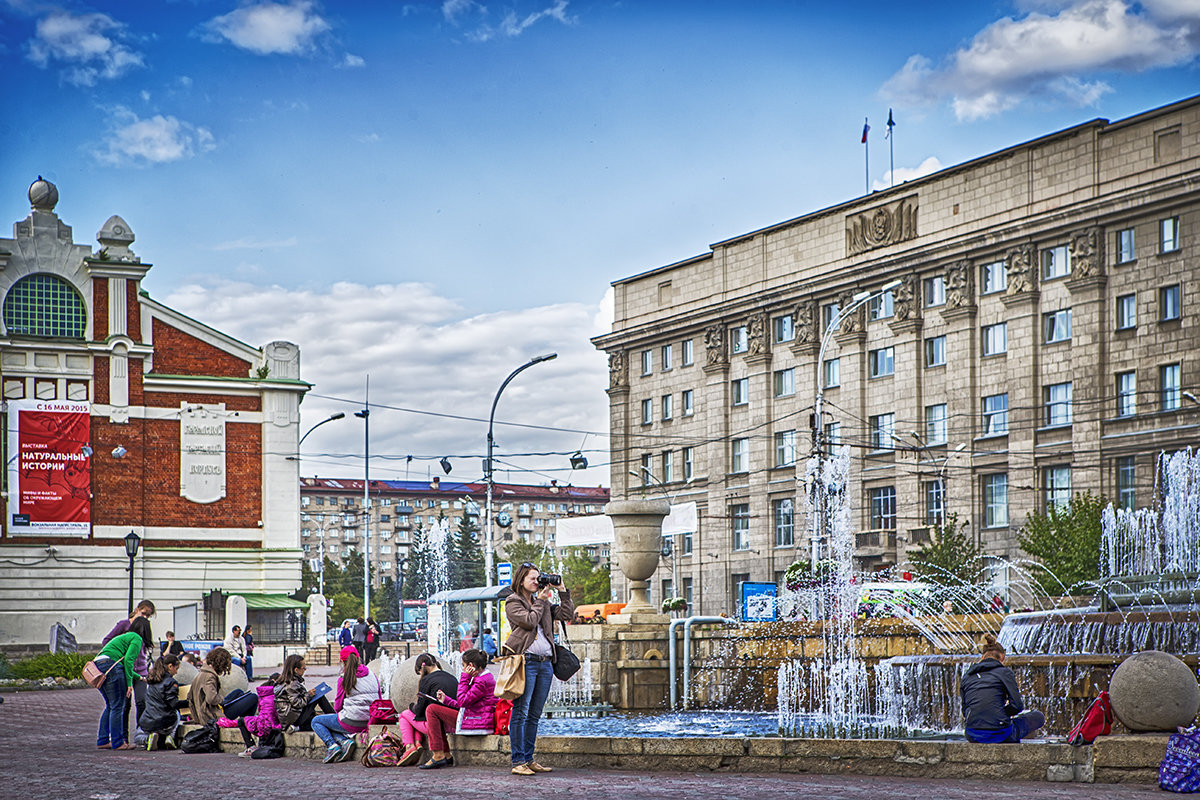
(476,698)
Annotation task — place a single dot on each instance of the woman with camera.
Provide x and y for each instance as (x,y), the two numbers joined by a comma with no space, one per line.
(532,618)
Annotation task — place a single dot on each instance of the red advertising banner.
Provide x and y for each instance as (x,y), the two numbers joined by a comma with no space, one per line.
(50,468)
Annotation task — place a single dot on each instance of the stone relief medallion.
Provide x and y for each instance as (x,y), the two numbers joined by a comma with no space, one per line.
(805,317)
(756,339)
(714,345)
(882,226)
(1022,277)
(1087,254)
(854,322)
(960,285)
(618,370)
(903,307)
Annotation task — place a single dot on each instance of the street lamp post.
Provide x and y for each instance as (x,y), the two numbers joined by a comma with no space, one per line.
(132,543)
(489,557)
(817,488)
(365,416)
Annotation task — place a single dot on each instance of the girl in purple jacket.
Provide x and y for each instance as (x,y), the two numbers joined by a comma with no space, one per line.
(476,696)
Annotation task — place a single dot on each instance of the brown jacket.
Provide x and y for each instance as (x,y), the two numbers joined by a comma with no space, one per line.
(525,617)
(204,699)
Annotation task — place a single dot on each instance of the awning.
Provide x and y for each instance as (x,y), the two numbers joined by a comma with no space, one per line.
(269,602)
(472,595)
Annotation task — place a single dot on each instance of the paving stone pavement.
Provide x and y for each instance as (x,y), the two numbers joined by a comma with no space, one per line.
(48,751)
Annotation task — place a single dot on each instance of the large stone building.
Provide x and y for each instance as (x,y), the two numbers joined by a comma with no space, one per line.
(1039,340)
(124,416)
(332,522)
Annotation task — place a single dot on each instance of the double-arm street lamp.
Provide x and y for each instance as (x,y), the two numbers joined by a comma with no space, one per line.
(818,421)
(489,471)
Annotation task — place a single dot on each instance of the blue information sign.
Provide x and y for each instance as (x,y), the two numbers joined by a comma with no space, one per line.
(758,601)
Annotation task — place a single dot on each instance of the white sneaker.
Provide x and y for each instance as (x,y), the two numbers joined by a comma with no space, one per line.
(249,751)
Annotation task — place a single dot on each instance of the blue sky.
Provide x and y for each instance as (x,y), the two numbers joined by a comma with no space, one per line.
(432,192)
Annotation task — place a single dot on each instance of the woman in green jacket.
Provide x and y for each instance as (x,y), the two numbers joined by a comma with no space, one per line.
(117,660)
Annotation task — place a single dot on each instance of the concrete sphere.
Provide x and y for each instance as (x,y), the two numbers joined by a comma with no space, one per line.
(404,682)
(1154,691)
(186,674)
(43,195)
(236,679)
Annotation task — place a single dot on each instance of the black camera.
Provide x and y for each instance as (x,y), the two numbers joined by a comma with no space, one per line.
(549,579)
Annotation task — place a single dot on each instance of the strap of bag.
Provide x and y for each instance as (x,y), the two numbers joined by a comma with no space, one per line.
(566,638)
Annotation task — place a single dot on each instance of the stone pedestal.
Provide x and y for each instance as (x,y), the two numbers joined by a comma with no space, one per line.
(637,533)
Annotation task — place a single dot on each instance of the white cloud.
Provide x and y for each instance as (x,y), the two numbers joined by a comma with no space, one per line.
(926,167)
(421,353)
(461,12)
(156,140)
(352,61)
(89,46)
(269,28)
(1053,51)
(369,138)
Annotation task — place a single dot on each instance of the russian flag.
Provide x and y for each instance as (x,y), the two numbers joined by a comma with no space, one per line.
(866,128)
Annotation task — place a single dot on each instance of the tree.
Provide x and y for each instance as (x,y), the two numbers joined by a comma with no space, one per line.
(1066,539)
(519,552)
(587,578)
(467,567)
(383,601)
(414,574)
(950,555)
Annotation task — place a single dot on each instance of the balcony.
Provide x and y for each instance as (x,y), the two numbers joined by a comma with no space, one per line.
(874,543)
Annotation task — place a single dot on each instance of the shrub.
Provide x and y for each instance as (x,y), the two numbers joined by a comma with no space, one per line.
(51,665)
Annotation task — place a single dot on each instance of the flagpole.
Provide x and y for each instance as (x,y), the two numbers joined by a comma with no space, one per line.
(866,157)
(891,129)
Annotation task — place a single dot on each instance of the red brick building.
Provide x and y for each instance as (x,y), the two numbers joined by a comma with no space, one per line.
(123,415)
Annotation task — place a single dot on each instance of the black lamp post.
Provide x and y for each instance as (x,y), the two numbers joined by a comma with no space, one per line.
(132,543)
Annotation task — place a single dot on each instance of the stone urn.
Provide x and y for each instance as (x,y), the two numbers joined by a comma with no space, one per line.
(1154,691)
(637,531)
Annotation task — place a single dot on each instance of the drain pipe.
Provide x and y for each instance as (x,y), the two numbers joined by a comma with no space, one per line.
(687,653)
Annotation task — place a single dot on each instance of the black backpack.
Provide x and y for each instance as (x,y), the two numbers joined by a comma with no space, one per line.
(270,746)
(202,740)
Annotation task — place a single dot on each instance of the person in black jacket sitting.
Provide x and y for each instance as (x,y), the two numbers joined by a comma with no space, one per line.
(160,718)
(991,701)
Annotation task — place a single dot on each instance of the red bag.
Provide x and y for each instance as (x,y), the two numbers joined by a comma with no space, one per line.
(1097,721)
(382,713)
(503,715)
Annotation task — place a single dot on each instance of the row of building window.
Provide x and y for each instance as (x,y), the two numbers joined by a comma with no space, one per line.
(993,278)
(1057,410)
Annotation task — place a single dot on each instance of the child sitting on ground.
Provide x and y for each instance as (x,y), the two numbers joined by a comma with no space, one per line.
(161,717)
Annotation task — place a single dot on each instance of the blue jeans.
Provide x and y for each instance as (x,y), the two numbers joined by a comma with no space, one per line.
(329,730)
(112,721)
(527,710)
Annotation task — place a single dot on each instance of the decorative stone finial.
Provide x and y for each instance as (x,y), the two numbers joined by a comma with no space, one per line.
(43,195)
(116,237)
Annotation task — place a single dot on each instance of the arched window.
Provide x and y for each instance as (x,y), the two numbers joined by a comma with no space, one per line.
(44,305)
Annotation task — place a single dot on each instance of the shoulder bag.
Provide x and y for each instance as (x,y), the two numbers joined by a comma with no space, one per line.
(94,675)
(382,712)
(510,683)
(566,663)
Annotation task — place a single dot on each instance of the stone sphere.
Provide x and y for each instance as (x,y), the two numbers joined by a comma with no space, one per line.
(43,195)
(404,682)
(1154,691)
(236,679)
(186,674)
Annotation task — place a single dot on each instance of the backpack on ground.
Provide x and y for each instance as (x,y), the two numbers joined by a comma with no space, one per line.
(270,746)
(202,740)
(1180,767)
(382,713)
(384,750)
(1097,721)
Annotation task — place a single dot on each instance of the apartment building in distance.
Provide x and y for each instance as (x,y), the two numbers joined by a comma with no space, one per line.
(1040,340)
(331,515)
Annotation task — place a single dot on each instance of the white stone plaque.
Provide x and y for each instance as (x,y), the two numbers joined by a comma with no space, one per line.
(202,452)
